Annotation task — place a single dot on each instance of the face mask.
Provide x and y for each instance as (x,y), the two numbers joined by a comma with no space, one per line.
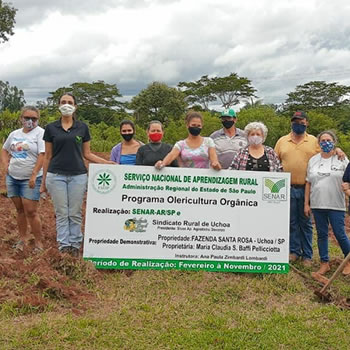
(255,140)
(67,109)
(194,130)
(298,128)
(127,137)
(155,137)
(327,146)
(227,123)
(29,124)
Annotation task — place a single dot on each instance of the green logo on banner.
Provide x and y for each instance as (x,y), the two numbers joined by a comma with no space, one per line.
(103,181)
(275,187)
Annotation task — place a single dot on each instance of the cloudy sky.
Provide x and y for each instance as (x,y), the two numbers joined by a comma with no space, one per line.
(277,44)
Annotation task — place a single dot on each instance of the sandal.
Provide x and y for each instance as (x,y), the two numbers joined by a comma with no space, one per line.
(18,245)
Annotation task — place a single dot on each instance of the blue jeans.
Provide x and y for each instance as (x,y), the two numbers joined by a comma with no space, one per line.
(300,225)
(67,193)
(20,188)
(337,220)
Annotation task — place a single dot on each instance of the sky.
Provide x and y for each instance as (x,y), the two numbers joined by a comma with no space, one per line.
(277,44)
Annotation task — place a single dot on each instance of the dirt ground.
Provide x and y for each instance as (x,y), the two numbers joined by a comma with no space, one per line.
(32,280)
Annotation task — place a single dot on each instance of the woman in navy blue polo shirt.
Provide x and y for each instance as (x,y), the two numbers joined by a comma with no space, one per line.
(67,143)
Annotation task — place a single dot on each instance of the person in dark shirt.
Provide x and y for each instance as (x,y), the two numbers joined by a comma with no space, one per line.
(155,150)
(67,143)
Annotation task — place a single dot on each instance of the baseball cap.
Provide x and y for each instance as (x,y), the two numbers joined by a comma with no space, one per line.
(299,115)
(228,113)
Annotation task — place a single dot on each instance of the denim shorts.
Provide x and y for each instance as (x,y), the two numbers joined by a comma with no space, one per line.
(20,188)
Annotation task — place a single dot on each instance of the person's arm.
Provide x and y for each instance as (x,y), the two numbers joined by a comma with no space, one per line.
(339,152)
(5,159)
(307,210)
(36,169)
(88,155)
(169,158)
(276,164)
(214,163)
(46,162)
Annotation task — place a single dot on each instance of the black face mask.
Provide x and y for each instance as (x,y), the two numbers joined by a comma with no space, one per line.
(194,130)
(127,137)
(227,123)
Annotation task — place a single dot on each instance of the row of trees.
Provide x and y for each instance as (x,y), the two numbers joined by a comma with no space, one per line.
(99,101)
(100,105)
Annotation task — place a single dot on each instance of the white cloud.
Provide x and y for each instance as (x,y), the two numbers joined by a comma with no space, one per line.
(276,44)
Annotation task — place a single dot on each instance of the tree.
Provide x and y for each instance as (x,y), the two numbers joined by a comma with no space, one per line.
(198,92)
(252,103)
(11,97)
(158,101)
(232,89)
(7,21)
(229,90)
(98,101)
(317,95)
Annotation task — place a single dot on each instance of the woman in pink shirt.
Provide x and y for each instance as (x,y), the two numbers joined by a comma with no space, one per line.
(195,151)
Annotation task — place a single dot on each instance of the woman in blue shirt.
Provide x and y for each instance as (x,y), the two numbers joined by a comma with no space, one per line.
(125,152)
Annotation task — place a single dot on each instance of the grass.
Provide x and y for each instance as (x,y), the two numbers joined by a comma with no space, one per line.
(185,310)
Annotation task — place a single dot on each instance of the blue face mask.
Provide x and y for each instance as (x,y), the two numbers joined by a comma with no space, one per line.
(298,128)
(327,146)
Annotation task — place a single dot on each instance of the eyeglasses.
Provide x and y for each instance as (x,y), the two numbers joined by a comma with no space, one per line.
(33,119)
(323,174)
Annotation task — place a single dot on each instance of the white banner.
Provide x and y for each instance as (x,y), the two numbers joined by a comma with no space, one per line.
(179,218)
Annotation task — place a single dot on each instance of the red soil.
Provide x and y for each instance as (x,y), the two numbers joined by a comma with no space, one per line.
(33,280)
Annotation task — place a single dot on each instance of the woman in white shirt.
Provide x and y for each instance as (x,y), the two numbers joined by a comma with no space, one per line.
(22,157)
(325,197)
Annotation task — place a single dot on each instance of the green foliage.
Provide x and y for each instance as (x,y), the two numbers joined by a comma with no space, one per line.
(11,97)
(8,122)
(104,137)
(319,122)
(317,95)
(97,101)
(7,20)
(175,131)
(229,90)
(158,101)
(277,125)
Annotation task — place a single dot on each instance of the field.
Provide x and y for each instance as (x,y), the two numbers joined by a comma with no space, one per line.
(49,301)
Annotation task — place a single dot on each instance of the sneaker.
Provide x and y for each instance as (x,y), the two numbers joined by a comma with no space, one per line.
(293,258)
(307,262)
(74,252)
(324,267)
(346,270)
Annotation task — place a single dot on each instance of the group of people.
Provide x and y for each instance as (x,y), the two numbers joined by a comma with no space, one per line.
(37,160)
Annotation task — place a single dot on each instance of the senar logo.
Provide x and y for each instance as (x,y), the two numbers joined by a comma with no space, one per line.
(103,181)
(274,189)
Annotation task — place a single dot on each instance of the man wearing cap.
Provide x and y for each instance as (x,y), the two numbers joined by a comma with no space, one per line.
(294,151)
(228,140)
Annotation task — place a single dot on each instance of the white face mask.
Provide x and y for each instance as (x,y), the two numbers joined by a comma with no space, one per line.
(67,109)
(29,124)
(255,140)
